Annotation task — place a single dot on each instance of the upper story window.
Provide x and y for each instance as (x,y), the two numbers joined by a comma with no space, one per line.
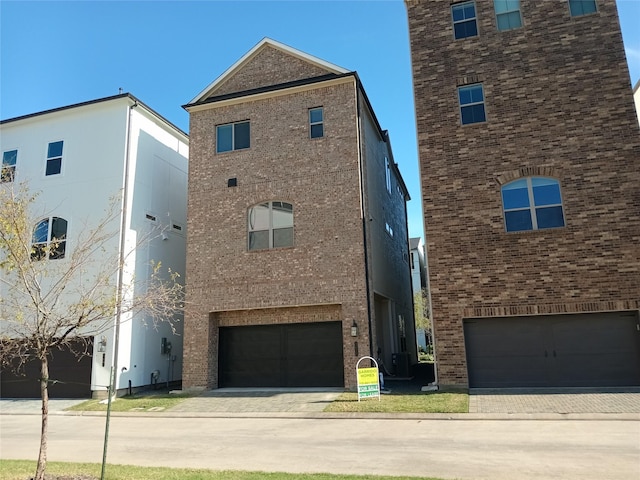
(387,174)
(270,225)
(508,14)
(389,229)
(532,203)
(465,23)
(471,99)
(49,239)
(54,158)
(316,122)
(582,7)
(232,136)
(8,172)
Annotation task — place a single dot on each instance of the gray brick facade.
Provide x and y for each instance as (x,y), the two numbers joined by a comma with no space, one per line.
(558,104)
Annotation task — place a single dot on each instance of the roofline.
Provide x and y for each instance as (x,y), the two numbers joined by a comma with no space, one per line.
(384,134)
(96,101)
(270,88)
(637,87)
(266,41)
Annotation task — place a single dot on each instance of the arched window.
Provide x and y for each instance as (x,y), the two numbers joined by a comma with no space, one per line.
(532,203)
(49,239)
(270,225)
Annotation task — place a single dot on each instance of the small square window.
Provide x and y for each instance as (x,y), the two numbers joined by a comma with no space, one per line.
(54,158)
(233,136)
(508,14)
(316,122)
(471,99)
(9,160)
(578,8)
(464,20)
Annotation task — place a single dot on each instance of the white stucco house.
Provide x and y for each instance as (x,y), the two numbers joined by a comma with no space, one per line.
(79,157)
(418,279)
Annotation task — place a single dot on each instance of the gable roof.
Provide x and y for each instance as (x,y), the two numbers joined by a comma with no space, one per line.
(131,98)
(330,67)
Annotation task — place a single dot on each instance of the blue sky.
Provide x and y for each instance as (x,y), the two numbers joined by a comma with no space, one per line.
(55,53)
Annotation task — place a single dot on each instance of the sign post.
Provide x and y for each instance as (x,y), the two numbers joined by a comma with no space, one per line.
(368,380)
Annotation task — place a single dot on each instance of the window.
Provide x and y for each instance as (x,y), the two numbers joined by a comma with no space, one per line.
(270,225)
(54,158)
(464,20)
(582,7)
(532,203)
(387,174)
(316,122)
(8,172)
(471,100)
(508,14)
(232,136)
(49,239)
(389,229)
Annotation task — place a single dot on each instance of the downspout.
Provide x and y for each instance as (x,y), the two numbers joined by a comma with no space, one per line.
(122,255)
(113,375)
(364,217)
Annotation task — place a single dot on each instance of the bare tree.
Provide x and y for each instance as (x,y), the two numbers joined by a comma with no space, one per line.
(59,296)
(422,313)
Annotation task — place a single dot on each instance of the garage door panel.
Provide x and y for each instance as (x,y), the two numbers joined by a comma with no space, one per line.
(554,351)
(71,376)
(290,355)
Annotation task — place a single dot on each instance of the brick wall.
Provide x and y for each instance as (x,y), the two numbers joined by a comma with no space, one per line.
(558,103)
(320,177)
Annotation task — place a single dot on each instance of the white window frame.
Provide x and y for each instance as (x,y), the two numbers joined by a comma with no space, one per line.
(472,104)
(49,159)
(271,227)
(312,124)
(233,136)
(47,244)
(387,174)
(594,2)
(8,172)
(475,19)
(533,207)
(507,12)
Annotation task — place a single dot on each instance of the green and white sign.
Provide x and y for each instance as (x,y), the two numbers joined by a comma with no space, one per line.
(368,380)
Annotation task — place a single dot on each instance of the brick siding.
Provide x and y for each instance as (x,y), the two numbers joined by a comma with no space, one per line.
(559,103)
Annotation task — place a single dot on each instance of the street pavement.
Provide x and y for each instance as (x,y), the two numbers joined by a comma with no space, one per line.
(443,448)
(571,435)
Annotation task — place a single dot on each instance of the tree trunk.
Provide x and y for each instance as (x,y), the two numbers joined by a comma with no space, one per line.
(44,394)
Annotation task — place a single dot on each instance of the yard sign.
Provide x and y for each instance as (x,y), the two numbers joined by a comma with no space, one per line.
(368,380)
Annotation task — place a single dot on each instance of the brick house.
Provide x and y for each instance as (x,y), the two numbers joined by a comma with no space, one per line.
(530,165)
(297,256)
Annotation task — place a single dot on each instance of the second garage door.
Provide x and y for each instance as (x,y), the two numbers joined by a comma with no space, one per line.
(589,350)
(291,355)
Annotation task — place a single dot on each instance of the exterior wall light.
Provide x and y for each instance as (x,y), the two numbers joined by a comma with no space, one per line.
(354,329)
(102,344)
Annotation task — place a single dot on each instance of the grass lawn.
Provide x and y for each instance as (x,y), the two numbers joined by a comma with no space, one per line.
(23,469)
(400,402)
(147,402)
(421,402)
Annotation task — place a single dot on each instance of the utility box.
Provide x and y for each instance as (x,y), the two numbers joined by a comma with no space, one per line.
(400,362)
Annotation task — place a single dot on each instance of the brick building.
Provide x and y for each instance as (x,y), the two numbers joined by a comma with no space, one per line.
(297,259)
(530,166)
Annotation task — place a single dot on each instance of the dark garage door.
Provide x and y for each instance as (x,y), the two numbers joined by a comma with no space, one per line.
(292,355)
(71,378)
(588,350)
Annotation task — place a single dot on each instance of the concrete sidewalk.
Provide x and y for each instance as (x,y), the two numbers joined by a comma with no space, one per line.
(610,404)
